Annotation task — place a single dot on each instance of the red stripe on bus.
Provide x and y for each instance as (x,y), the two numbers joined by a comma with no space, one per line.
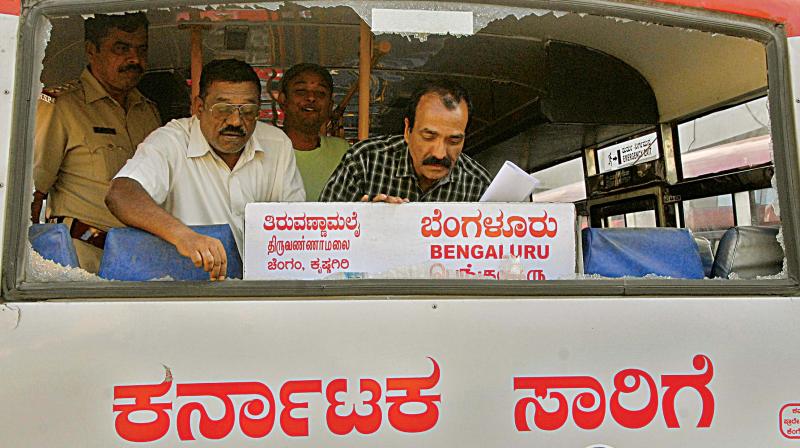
(780,11)
(10,7)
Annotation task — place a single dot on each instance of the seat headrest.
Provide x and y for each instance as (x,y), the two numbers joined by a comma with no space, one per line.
(749,252)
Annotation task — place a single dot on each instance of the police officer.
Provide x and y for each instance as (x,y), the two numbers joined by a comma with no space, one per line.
(88,128)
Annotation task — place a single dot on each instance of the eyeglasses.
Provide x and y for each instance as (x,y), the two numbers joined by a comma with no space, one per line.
(221,111)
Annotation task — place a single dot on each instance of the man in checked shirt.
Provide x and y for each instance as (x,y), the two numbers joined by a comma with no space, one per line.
(424,164)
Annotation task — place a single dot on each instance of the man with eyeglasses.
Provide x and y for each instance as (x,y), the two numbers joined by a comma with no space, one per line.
(88,128)
(204,169)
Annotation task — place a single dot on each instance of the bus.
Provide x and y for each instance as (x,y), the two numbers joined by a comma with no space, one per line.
(629,300)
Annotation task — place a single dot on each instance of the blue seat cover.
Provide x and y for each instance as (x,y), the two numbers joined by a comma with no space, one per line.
(637,252)
(53,242)
(134,255)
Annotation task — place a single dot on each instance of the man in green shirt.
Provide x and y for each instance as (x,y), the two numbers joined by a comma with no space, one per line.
(306,100)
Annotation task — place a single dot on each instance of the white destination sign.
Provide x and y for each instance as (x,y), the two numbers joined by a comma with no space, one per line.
(417,240)
(629,153)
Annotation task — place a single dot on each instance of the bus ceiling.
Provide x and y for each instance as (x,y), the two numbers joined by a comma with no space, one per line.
(545,83)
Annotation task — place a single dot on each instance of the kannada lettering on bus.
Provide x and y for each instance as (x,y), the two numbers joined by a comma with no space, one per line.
(262,409)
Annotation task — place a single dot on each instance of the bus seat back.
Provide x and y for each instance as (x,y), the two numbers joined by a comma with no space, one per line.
(637,252)
(748,252)
(135,255)
(53,242)
(706,254)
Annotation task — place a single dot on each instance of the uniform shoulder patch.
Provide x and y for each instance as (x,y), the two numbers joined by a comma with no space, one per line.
(49,94)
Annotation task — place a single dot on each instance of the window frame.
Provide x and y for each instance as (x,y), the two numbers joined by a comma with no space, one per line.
(785,160)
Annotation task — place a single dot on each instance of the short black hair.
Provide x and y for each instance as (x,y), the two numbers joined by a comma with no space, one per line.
(450,92)
(97,27)
(227,70)
(306,67)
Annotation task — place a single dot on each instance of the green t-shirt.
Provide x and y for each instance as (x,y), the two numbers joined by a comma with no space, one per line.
(317,165)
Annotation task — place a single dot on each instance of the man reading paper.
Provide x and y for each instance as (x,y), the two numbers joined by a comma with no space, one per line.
(423,164)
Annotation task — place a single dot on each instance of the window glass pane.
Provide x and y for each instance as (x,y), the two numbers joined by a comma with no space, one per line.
(646,218)
(561,183)
(616,221)
(762,206)
(733,138)
(713,213)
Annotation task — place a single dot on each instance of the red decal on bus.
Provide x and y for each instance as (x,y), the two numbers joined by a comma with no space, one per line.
(255,408)
(781,11)
(10,7)
(588,406)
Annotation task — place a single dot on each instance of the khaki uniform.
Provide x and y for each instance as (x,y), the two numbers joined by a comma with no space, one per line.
(83,137)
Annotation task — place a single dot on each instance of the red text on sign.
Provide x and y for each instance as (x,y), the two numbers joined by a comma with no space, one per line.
(589,405)
(140,420)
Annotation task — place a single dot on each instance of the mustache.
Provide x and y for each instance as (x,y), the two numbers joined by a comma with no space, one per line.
(444,162)
(236,130)
(131,68)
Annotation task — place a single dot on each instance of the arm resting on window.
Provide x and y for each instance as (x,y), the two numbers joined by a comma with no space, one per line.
(131,204)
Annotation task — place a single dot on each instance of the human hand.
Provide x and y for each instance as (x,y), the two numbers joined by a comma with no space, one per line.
(205,252)
(384,198)
(36,206)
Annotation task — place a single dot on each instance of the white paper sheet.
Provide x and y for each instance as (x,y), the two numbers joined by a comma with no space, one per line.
(512,184)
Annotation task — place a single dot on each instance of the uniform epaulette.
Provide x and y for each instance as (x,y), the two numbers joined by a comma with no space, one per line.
(49,94)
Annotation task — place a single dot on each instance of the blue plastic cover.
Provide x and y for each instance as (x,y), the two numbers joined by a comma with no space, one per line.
(637,252)
(134,255)
(53,242)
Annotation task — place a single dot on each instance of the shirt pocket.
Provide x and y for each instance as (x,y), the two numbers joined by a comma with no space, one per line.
(108,155)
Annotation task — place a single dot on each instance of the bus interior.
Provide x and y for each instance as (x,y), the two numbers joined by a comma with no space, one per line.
(559,92)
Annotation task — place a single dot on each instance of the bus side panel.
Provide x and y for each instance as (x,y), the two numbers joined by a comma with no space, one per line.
(9,25)
(794,64)
(473,373)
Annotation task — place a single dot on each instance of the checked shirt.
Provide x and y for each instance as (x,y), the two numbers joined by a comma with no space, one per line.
(383,165)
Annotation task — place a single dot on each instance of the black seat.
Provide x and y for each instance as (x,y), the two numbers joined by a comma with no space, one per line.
(748,252)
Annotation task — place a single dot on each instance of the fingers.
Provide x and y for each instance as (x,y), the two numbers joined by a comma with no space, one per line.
(197,259)
(396,200)
(385,198)
(205,252)
(215,261)
(365,198)
(208,259)
(220,263)
(223,267)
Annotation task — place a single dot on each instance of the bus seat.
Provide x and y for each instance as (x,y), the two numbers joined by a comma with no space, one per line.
(748,251)
(706,253)
(53,242)
(638,252)
(135,255)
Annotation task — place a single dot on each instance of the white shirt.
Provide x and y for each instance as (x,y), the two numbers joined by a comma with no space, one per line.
(180,171)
